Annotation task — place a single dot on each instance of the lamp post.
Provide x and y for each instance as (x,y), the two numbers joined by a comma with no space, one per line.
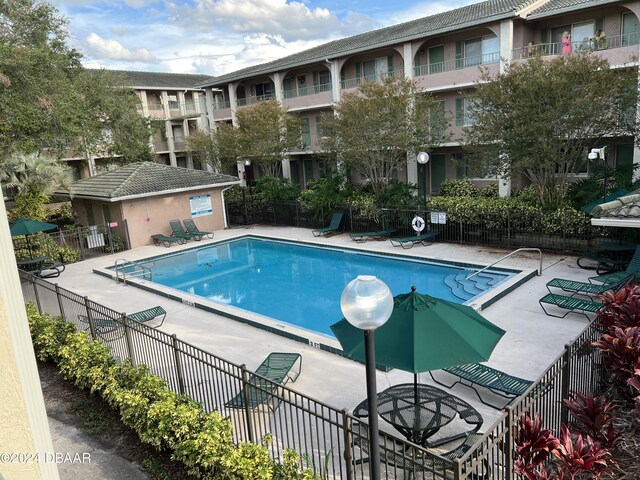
(601,153)
(366,303)
(423,158)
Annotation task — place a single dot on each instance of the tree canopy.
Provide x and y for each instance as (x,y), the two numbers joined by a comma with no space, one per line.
(264,134)
(375,127)
(541,117)
(49,101)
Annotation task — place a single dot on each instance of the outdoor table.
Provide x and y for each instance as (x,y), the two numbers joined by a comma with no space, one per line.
(419,421)
(31,264)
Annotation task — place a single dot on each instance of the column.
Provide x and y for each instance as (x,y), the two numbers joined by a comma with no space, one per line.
(506,46)
(233,102)
(407,57)
(277,85)
(286,167)
(336,89)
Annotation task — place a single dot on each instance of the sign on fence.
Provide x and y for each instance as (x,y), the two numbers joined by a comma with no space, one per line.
(439,218)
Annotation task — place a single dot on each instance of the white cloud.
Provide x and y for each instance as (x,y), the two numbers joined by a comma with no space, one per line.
(114,50)
(290,19)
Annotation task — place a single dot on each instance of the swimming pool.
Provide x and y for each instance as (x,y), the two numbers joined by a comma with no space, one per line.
(301,284)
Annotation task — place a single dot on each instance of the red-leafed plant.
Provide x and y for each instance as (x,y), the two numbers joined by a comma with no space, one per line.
(534,445)
(621,351)
(621,308)
(634,383)
(579,457)
(541,456)
(594,417)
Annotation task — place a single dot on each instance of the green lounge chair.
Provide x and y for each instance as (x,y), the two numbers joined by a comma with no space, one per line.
(160,239)
(105,328)
(583,288)
(632,270)
(191,227)
(332,228)
(498,382)
(148,315)
(378,235)
(178,231)
(571,304)
(408,242)
(274,371)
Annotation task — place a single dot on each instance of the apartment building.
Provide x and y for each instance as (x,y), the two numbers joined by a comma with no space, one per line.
(174,100)
(442,53)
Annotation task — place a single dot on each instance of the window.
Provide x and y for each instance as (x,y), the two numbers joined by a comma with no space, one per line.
(462,168)
(319,127)
(305,131)
(375,70)
(437,121)
(630,29)
(321,81)
(463,111)
(264,91)
(173,102)
(477,51)
(581,34)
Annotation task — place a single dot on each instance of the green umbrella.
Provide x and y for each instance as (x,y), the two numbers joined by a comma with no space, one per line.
(424,333)
(26,227)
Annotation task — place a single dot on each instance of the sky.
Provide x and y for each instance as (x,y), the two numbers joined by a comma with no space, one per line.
(214,37)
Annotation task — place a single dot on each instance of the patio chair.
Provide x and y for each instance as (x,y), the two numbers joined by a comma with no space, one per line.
(178,231)
(332,228)
(571,304)
(407,242)
(629,273)
(160,239)
(583,288)
(145,316)
(377,235)
(276,370)
(496,381)
(191,227)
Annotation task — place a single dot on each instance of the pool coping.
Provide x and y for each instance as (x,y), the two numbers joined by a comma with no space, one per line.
(293,332)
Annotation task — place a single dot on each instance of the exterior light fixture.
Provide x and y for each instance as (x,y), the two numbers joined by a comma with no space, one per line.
(423,157)
(367,303)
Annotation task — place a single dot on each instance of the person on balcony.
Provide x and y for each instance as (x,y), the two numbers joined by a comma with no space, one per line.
(567,48)
(599,40)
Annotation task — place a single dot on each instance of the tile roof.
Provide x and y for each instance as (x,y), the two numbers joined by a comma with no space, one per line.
(144,179)
(623,207)
(467,16)
(160,80)
(554,7)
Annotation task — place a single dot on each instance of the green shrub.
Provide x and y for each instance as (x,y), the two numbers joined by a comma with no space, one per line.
(202,441)
(458,188)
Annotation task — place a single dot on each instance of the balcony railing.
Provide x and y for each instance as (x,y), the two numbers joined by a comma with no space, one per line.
(354,82)
(304,91)
(582,46)
(221,104)
(243,102)
(457,64)
(184,109)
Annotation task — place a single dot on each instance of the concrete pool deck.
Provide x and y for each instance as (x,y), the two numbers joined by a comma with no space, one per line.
(532,342)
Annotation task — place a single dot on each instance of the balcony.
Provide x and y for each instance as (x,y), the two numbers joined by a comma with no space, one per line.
(304,91)
(179,144)
(156,110)
(160,145)
(457,64)
(584,46)
(244,102)
(221,104)
(354,82)
(184,109)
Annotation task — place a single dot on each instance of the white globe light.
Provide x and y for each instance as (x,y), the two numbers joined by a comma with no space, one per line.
(423,157)
(366,302)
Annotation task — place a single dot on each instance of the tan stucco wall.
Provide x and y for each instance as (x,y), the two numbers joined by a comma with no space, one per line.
(151,215)
(23,422)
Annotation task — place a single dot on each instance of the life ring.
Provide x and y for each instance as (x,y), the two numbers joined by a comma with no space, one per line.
(418,223)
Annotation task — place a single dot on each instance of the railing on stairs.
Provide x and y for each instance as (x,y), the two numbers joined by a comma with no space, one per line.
(139,270)
(524,249)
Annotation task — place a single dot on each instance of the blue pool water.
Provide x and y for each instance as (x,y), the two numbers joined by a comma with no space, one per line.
(294,283)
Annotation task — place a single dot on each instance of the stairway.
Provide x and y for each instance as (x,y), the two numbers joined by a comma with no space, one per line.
(466,289)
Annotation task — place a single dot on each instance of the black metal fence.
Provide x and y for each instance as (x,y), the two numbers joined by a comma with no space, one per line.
(76,243)
(330,441)
(562,230)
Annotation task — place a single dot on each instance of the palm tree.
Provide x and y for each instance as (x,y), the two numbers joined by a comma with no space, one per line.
(35,177)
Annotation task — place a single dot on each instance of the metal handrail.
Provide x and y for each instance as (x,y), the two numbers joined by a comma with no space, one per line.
(524,249)
(143,273)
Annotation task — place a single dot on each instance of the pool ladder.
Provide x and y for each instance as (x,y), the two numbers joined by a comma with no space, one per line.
(144,272)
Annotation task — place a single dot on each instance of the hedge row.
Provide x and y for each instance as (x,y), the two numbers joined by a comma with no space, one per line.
(160,417)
